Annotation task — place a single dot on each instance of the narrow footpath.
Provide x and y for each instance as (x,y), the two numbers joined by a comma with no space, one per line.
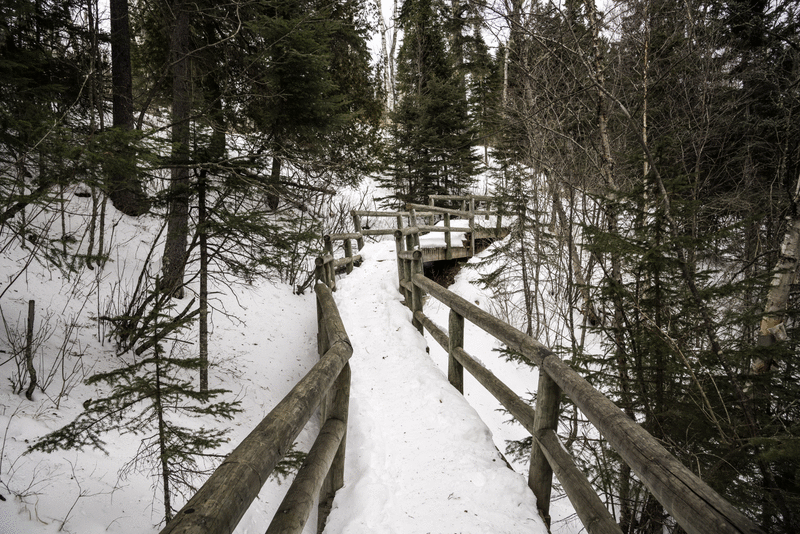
(419,459)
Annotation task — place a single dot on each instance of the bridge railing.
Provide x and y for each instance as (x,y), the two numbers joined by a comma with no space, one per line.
(692,503)
(222,501)
(410,218)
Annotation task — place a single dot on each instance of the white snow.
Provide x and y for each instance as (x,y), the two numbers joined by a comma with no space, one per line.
(420,457)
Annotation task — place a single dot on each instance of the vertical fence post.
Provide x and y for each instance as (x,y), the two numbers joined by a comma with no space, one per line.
(357,229)
(412,221)
(455,371)
(540,476)
(472,225)
(401,272)
(330,280)
(448,247)
(338,400)
(416,291)
(348,253)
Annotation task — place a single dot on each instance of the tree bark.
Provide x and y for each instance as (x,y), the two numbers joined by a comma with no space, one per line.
(201,223)
(124,187)
(178,219)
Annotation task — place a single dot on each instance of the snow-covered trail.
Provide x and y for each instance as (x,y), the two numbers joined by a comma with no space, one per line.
(419,459)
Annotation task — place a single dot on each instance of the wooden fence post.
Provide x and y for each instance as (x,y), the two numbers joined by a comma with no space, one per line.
(455,371)
(357,229)
(401,271)
(412,221)
(448,246)
(472,225)
(330,273)
(540,475)
(338,406)
(416,291)
(348,253)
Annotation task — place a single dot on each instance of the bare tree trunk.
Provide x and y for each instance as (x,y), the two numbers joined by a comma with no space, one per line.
(201,223)
(29,351)
(178,218)
(124,187)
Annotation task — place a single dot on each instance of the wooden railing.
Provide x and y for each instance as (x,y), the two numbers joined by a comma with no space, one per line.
(225,497)
(694,505)
(410,218)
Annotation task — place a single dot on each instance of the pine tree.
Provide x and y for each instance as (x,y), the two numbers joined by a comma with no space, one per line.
(144,398)
(431,134)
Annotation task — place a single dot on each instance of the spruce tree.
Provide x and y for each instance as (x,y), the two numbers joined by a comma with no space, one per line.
(144,398)
(431,134)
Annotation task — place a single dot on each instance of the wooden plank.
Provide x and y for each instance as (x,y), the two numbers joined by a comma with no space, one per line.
(344,237)
(408,230)
(367,213)
(334,327)
(439,253)
(592,512)
(378,231)
(293,512)
(442,229)
(346,262)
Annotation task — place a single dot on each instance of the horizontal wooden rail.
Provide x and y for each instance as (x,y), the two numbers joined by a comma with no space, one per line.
(443,229)
(484,198)
(342,237)
(434,209)
(693,504)
(409,230)
(365,213)
(591,510)
(292,514)
(227,494)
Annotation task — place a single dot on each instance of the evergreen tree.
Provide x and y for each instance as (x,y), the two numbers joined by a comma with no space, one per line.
(145,397)
(431,134)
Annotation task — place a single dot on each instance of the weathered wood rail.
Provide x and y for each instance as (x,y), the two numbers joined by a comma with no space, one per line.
(225,497)
(467,214)
(696,507)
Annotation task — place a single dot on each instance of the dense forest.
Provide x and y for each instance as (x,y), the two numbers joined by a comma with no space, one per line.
(648,150)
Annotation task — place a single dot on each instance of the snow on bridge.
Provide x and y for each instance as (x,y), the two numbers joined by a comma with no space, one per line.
(419,458)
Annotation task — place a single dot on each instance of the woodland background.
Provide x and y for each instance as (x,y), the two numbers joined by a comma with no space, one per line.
(649,150)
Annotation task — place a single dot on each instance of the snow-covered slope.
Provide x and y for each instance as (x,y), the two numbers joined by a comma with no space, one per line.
(420,459)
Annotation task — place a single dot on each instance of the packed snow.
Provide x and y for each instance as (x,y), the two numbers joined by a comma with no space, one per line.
(420,457)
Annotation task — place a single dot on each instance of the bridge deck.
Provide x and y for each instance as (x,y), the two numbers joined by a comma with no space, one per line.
(434,248)
(419,459)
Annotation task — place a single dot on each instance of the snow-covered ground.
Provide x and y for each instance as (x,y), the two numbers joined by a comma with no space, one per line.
(420,458)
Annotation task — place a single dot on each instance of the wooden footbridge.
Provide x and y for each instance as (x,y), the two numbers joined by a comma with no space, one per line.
(222,501)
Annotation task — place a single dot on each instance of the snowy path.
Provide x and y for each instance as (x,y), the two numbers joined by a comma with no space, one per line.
(419,459)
